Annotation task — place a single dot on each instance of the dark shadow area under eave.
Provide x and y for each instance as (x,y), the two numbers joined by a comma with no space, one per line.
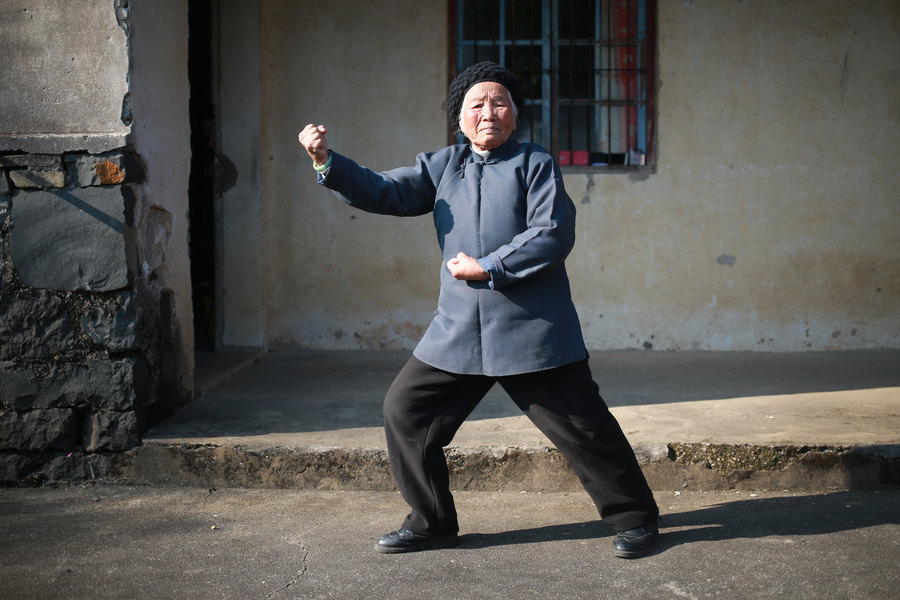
(302,391)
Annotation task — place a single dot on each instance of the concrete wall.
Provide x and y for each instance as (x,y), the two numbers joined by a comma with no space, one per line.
(65,85)
(160,93)
(242,296)
(771,223)
(375,75)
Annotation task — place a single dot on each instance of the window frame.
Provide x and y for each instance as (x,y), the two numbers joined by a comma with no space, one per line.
(552,108)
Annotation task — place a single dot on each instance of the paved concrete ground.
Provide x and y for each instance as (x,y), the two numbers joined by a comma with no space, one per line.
(104,541)
(286,410)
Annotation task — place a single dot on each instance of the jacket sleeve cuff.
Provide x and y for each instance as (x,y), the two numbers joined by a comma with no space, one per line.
(487,263)
(322,170)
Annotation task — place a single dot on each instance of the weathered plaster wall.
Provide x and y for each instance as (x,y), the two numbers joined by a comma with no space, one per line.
(375,75)
(160,93)
(242,301)
(771,223)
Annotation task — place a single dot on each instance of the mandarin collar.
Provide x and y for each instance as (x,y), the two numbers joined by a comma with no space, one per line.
(502,151)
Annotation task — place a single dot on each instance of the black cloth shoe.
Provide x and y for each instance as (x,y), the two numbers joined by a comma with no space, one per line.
(635,543)
(404,540)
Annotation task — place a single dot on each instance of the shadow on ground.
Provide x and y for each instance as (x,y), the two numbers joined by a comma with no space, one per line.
(783,517)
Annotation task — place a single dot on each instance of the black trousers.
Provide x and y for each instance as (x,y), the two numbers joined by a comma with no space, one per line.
(425,407)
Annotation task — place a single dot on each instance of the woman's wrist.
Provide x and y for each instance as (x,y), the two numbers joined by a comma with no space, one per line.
(325,165)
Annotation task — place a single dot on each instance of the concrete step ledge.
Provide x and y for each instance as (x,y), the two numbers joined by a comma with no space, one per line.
(676,466)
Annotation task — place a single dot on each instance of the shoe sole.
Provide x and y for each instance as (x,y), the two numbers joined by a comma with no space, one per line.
(631,554)
(429,545)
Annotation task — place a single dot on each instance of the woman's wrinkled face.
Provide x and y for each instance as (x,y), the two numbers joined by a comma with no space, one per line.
(488,116)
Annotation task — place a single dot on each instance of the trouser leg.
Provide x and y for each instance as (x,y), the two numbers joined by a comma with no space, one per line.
(423,410)
(565,404)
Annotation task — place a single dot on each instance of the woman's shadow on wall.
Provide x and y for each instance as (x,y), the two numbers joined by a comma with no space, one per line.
(754,518)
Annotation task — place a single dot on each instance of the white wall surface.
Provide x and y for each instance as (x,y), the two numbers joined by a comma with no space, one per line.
(375,75)
(243,287)
(771,223)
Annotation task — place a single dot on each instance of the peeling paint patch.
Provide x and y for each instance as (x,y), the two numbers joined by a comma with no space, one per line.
(836,335)
(726,259)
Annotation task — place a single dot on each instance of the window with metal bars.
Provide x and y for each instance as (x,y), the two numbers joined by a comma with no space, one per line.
(586,70)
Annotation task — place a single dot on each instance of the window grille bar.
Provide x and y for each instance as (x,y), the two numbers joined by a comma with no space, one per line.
(570,77)
(642,54)
(596,77)
(494,28)
(547,62)
(512,26)
(608,142)
(530,96)
(629,78)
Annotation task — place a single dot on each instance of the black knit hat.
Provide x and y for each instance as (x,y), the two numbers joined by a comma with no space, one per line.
(483,71)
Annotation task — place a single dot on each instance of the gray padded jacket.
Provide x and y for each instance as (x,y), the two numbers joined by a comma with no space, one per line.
(511,211)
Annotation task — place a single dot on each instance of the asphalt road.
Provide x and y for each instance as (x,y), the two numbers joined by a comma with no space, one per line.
(107,541)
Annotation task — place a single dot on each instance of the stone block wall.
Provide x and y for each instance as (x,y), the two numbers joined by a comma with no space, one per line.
(82,338)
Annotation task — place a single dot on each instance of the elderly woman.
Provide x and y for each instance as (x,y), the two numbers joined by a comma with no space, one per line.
(505,225)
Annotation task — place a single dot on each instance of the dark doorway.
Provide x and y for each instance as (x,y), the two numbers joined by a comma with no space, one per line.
(200,191)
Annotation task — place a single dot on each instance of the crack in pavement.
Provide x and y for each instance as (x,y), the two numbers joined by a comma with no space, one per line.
(304,555)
